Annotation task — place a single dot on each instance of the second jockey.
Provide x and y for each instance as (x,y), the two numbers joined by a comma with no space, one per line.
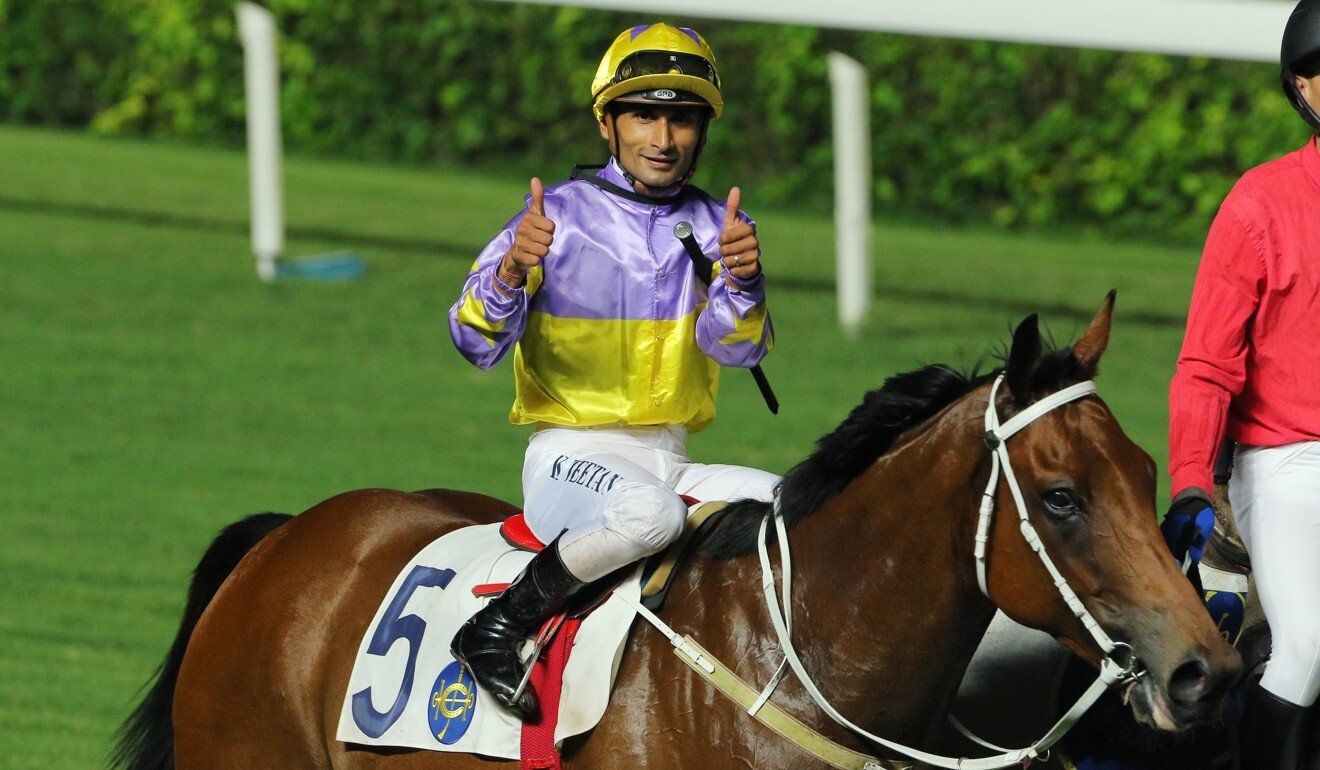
(617,343)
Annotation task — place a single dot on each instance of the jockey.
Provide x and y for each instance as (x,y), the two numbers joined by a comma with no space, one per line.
(617,343)
(1248,367)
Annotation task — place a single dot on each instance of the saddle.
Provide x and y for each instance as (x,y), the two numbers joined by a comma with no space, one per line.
(659,569)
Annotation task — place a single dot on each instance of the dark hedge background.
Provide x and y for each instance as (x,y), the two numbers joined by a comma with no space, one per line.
(1014,135)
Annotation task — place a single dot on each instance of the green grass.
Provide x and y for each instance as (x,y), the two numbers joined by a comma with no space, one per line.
(152,390)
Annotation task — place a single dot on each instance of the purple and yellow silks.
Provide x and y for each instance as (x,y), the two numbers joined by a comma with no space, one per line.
(614,327)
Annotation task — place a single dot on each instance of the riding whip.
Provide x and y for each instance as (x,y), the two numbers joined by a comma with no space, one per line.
(1224,462)
(701,264)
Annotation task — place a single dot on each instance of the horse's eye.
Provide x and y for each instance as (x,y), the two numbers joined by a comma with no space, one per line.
(1060,502)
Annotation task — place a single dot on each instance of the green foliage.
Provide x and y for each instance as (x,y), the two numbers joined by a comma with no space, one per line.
(184,71)
(964,131)
(60,62)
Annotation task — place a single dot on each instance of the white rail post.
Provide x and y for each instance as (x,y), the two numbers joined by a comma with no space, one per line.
(261,77)
(852,191)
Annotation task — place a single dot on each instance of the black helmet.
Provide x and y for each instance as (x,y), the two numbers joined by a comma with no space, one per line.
(1301,46)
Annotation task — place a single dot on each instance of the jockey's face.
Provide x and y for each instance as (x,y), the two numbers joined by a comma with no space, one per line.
(654,144)
(1310,90)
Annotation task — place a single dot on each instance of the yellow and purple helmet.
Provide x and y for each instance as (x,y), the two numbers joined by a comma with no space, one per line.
(657,64)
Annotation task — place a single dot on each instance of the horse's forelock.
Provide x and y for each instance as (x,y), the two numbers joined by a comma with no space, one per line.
(1058,369)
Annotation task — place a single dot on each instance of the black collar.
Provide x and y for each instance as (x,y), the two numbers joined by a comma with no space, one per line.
(586,172)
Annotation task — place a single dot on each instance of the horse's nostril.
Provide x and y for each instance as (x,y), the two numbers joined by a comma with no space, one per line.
(1189,682)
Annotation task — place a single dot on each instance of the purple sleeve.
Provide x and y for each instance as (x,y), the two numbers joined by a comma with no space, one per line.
(485,322)
(735,327)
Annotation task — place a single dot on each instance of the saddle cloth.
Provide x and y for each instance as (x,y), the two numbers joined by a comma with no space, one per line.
(406,689)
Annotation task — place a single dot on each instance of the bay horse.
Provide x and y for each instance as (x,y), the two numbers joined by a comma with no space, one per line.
(886,602)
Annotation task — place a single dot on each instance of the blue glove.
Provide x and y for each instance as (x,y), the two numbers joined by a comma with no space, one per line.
(1187,528)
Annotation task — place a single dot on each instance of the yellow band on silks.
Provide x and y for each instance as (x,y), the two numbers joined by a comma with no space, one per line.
(472,313)
(582,372)
(750,329)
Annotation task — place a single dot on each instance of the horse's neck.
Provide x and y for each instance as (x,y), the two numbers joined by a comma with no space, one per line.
(884,582)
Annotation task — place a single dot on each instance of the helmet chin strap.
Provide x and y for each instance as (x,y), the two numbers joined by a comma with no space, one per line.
(614,151)
(701,145)
(1299,102)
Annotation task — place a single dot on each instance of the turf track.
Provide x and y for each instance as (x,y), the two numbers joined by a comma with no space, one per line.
(153,390)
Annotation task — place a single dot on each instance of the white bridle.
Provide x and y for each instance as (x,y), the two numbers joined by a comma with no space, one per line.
(996,439)
(1111,670)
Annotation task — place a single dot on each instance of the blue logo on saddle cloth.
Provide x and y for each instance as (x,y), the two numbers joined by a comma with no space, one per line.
(452,703)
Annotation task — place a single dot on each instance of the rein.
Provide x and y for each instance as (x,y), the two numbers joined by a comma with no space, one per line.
(1112,670)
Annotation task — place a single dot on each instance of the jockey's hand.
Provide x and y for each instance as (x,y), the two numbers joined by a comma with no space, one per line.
(740,251)
(531,242)
(1188,525)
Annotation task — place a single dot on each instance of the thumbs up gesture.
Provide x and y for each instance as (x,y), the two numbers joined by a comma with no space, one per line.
(531,242)
(740,251)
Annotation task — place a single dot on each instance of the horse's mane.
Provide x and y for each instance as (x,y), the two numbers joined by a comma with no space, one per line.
(903,402)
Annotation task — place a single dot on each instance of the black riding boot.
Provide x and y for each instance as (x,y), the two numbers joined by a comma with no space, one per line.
(489,642)
(1275,732)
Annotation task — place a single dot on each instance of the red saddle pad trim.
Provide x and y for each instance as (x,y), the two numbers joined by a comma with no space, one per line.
(489,589)
(538,738)
(516,533)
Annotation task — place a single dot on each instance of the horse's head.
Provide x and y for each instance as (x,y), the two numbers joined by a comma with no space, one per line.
(1089,493)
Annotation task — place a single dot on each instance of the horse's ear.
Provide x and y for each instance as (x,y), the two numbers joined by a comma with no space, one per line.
(1095,339)
(1023,358)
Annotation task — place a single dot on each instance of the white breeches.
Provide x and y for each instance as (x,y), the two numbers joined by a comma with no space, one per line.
(1275,492)
(613,493)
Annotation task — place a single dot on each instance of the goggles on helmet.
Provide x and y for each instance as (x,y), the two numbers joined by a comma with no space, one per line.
(645,63)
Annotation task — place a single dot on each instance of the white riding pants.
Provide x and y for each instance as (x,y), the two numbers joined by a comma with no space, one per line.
(1275,493)
(613,493)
